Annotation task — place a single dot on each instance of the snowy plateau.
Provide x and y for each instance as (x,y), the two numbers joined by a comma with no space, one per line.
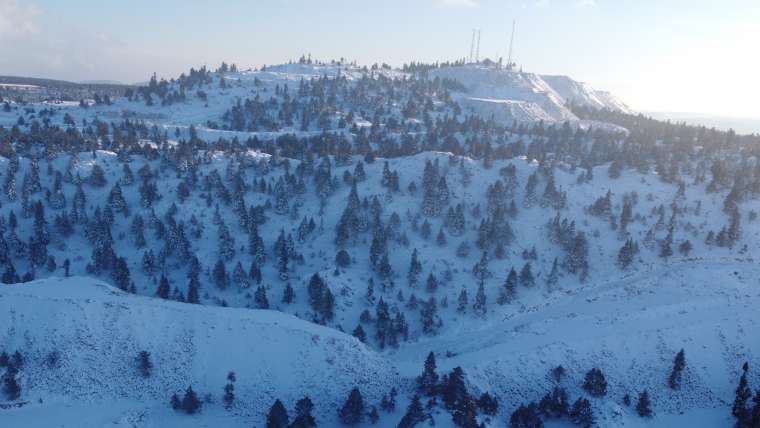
(437,245)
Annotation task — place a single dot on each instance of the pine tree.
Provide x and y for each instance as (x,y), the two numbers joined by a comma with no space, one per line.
(360,334)
(754,417)
(480,270)
(427,382)
(352,411)
(526,276)
(163,288)
(415,267)
(11,388)
(303,418)
(743,394)
(260,298)
(508,291)
(414,414)
(220,275)
(480,301)
(453,389)
(595,383)
(674,381)
(121,275)
(488,404)
(288,295)
(643,406)
(175,402)
(582,414)
(190,402)
(278,416)
(627,253)
(462,302)
(144,363)
(428,315)
(229,390)
(432,283)
(465,413)
(526,417)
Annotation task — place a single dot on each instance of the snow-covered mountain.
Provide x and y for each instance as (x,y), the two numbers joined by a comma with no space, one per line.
(318,227)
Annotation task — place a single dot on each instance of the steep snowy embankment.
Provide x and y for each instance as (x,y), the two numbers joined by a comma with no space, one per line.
(98,332)
(524,97)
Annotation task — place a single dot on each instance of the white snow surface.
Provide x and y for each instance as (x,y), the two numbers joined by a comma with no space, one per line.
(99,330)
(524,97)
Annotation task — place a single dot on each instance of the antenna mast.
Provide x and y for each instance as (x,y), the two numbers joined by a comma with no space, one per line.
(477,52)
(472,46)
(511,42)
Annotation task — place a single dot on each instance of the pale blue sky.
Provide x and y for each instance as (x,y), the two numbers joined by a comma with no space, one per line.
(668,55)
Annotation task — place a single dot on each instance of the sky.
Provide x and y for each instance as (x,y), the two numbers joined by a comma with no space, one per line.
(696,56)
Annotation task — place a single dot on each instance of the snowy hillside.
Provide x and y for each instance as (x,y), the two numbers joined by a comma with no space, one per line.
(96,331)
(318,227)
(525,97)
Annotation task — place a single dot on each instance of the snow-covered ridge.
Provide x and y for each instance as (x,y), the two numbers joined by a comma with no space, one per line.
(98,331)
(525,97)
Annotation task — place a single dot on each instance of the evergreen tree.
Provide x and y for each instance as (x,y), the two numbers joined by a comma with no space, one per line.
(643,407)
(163,288)
(480,270)
(526,417)
(427,382)
(360,334)
(595,383)
(415,267)
(526,276)
(220,275)
(480,301)
(508,291)
(352,411)
(488,404)
(462,302)
(144,363)
(428,316)
(465,413)
(754,417)
(288,295)
(229,390)
(303,418)
(260,298)
(453,389)
(582,414)
(11,388)
(432,283)
(278,416)
(190,402)
(121,275)
(674,381)
(743,394)
(175,402)
(414,414)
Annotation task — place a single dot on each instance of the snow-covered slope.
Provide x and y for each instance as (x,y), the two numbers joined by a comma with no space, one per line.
(582,93)
(630,328)
(524,97)
(98,331)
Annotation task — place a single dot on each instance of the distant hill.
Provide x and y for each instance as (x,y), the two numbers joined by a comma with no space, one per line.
(742,125)
(33,89)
